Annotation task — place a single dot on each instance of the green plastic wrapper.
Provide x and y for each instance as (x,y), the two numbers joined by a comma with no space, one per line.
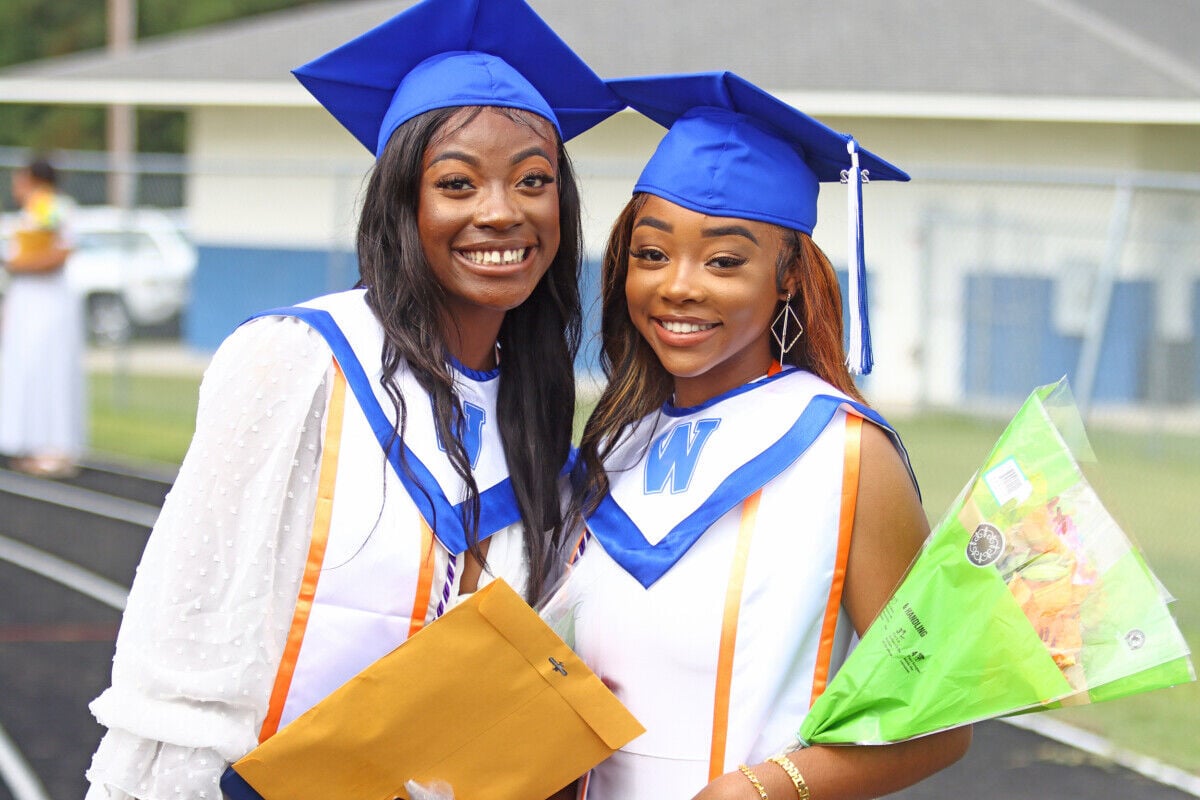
(1027,595)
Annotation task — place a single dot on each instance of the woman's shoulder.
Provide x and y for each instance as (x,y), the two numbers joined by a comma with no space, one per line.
(351,303)
(272,333)
(271,337)
(276,353)
(808,384)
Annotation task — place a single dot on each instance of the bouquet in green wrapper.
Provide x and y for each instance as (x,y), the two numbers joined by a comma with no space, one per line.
(1026,596)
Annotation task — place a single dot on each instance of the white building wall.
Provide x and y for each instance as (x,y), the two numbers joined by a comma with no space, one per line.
(608,160)
(292,178)
(273,177)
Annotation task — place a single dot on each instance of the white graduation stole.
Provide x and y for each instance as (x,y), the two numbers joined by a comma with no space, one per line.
(420,461)
(680,470)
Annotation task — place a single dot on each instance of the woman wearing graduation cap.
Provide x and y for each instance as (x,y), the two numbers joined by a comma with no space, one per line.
(364,459)
(746,511)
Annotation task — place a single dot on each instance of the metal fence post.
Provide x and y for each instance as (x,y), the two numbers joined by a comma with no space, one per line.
(1097,319)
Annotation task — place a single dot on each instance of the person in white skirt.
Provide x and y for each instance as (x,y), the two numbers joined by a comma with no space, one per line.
(363,460)
(42,387)
(746,512)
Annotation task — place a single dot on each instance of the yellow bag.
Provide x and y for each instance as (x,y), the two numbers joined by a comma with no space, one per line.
(487,699)
(33,242)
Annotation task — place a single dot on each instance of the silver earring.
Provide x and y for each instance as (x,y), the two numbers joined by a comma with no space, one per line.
(785,319)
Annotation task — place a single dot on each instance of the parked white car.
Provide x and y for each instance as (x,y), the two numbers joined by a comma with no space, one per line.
(132,268)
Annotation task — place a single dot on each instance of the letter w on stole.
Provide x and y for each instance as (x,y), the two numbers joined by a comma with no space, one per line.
(674,455)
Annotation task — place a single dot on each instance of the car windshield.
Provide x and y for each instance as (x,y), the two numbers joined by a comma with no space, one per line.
(125,241)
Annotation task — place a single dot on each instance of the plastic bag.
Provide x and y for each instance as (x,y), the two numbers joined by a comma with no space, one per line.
(1025,596)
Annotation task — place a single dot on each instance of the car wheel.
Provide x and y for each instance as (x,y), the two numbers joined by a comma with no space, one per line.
(108,319)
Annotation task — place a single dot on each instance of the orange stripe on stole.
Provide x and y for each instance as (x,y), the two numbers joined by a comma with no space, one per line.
(316,554)
(424,580)
(833,605)
(729,624)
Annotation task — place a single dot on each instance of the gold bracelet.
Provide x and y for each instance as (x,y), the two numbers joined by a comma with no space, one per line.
(750,776)
(783,761)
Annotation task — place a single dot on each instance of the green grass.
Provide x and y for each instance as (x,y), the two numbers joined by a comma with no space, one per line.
(1149,482)
(142,418)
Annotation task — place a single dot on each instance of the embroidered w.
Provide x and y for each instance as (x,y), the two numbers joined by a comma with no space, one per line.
(469,429)
(673,455)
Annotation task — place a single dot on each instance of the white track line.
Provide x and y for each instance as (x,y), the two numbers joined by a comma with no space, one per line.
(155,471)
(87,500)
(1089,742)
(110,593)
(17,774)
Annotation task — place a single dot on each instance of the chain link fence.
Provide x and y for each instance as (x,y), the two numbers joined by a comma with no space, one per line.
(1021,277)
(1028,277)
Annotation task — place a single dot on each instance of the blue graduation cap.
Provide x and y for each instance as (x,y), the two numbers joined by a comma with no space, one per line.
(446,53)
(733,150)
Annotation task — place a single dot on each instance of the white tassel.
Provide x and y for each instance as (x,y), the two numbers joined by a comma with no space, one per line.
(858,355)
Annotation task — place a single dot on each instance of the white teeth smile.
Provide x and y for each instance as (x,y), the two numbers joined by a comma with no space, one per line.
(687,327)
(486,257)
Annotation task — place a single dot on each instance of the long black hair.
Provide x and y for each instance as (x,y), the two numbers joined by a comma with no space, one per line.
(538,339)
(42,170)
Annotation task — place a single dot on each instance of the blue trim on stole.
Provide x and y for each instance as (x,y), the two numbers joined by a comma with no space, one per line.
(497,505)
(670,410)
(646,562)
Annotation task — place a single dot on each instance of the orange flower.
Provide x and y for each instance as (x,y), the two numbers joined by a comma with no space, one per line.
(1044,581)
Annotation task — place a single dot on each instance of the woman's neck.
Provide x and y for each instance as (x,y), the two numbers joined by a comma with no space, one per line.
(473,343)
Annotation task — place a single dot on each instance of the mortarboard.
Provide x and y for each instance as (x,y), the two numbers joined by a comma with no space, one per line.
(446,53)
(733,150)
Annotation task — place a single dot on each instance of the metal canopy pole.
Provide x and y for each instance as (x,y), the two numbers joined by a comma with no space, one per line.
(122,146)
(1097,320)
(122,121)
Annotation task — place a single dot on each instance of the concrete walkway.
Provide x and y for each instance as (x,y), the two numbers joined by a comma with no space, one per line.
(155,356)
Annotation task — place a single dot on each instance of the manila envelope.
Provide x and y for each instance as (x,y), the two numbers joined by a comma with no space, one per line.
(488,699)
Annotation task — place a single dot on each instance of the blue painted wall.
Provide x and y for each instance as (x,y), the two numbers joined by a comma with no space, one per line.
(588,360)
(1011,343)
(231,283)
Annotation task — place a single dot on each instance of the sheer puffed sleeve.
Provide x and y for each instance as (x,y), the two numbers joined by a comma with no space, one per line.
(213,597)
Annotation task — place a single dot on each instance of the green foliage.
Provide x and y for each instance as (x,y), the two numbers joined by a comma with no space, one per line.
(71,26)
(49,128)
(157,17)
(62,27)
(142,418)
